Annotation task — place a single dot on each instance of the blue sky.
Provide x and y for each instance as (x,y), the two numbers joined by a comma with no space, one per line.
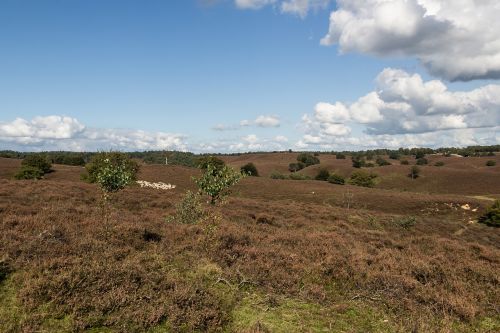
(186,67)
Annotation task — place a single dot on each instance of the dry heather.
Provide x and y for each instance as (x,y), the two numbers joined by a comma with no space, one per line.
(286,256)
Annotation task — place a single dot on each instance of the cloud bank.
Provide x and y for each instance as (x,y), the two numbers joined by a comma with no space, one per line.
(296,7)
(454,40)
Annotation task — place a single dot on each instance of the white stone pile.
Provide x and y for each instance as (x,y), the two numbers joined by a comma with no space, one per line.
(156,186)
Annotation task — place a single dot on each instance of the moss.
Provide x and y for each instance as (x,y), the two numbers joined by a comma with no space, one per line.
(290,315)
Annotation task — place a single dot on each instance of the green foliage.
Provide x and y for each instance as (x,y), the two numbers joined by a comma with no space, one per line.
(439,164)
(419,154)
(299,176)
(491,163)
(362,178)
(250,169)
(38,161)
(29,172)
(205,161)
(113,177)
(323,174)
(336,179)
(394,155)
(109,161)
(277,175)
(422,161)
(189,210)
(382,162)
(414,172)
(492,215)
(216,181)
(358,162)
(404,162)
(67,158)
(182,158)
(340,156)
(294,167)
(307,159)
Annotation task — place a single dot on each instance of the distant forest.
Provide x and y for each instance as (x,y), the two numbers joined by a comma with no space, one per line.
(191,159)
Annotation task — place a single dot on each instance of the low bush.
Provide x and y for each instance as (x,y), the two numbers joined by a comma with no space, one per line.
(299,176)
(394,155)
(362,178)
(277,175)
(189,210)
(28,172)
(307,159)
(38,161)
(340,156)
(439,164)
(294,167)
(404,162)
(382,162)
(250,169)
(323,174)
(492,215)
(414,172)
(358,162)
(422,161)
(336,179)
(405,222)
(491,163)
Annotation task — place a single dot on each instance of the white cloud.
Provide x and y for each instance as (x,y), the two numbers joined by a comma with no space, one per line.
(454,39)
(66,133)
(404,107)
(267,121)
(296,7)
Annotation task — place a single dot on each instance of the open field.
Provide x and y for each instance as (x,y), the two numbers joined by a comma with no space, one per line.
(284,256)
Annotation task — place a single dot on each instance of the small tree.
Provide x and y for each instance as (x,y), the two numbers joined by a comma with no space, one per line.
(336,179)
(113,177)
(492,215)
(215,182)
(205,161)
(110,160)
(323,174)
(414,172)
(250,169)
(294,167)
(308,159)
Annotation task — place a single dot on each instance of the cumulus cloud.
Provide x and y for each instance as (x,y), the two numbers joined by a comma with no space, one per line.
(265,121)
(296,7)
(402,106)
(455,40)
(66,133)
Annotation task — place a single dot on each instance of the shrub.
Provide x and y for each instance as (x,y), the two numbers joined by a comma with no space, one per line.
(422,161)
(216,181)
(358,162)
(491,163)
(382,162)
(340,156)
(277,175)
(38,161)
(113,177)
(294,167)
(108,161)
(362,178)
(323,174)
(336,179)
(205,161)
(307,159)
(414,172)
(439,164)
(299,176)
(369,165)
(490,153)
(492,215)
(182,158)
(404,162)
(405,222)
(393,155)
(28,172)
(189,210)
(250,169)
(419,154)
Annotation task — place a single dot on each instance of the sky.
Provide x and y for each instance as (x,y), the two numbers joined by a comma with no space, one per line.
(248,75)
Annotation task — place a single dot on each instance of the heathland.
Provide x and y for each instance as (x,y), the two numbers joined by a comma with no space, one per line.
(281,255)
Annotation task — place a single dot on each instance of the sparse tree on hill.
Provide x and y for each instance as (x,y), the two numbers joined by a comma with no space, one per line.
(216,182)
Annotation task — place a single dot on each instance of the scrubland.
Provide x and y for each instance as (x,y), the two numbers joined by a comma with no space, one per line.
(282,256)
